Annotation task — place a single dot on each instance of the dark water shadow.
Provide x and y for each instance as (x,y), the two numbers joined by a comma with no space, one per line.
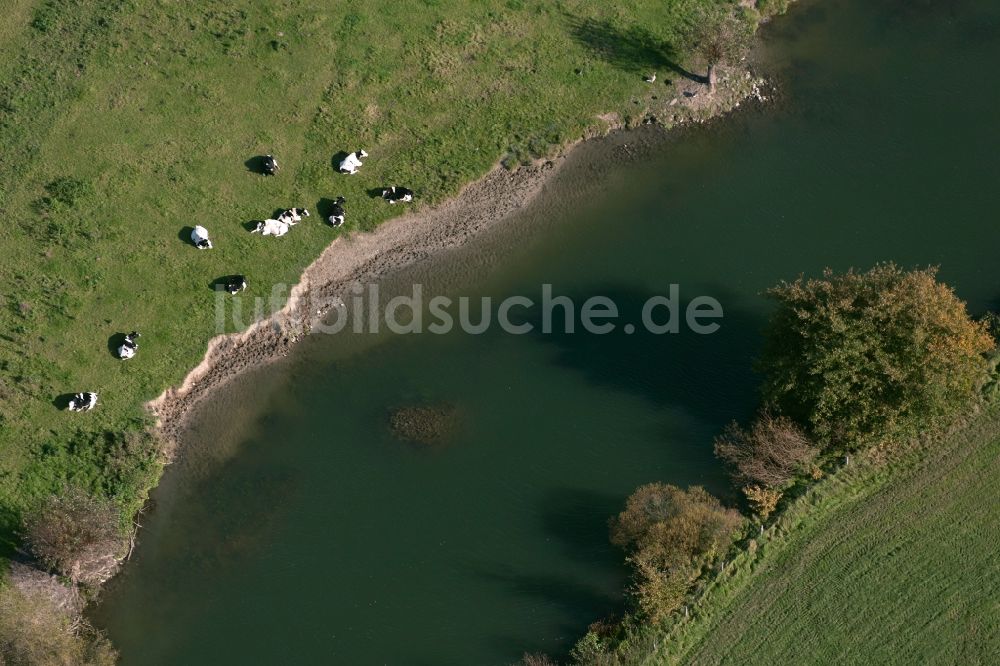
(709,376)
(578,520)
(581,602)
(256,165)
(633,49)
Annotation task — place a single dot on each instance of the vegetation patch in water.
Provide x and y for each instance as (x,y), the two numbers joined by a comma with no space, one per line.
(424,424)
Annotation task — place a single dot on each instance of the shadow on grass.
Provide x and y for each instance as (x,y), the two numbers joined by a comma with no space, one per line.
(375,192)
(324,207)
(10,524)
(61,402)
(219,283)
(256,164)
(632,49)
(114,342)
(184,235)
(337,159)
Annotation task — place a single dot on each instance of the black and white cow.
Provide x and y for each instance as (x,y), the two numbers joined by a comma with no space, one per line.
(337,212)
(199,236)
(271,228)
(352,162)
(293,216)
(235,284)
(82,402)
(397,194)
(270,165)
(129,347)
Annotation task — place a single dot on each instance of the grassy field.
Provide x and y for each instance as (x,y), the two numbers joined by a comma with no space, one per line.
(889,562)
(124,121)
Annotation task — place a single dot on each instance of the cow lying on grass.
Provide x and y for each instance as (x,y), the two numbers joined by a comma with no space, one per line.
(337,212)
(293,216)
(397,194)
(271,228)
(235,284)
(352,162)
(129,347)
(82,402)
(270,165)
(199,236)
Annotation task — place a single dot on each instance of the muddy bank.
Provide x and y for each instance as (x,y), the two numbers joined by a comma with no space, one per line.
(415,236)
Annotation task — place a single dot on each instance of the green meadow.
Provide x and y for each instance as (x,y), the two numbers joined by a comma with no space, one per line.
(890,561)
(125,122)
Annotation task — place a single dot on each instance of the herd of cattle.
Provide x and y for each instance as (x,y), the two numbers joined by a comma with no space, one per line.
(279,226)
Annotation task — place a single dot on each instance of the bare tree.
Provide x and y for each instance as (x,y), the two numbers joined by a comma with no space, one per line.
(768,454)
(720,36)
(76,534)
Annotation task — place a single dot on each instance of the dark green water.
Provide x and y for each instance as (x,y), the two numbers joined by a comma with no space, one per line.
(296,529)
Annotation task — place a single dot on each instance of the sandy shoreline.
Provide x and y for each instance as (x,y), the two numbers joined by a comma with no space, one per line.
(408,239)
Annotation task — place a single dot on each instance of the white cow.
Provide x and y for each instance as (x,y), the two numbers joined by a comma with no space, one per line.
(271,228)
(352,162)
(199,236)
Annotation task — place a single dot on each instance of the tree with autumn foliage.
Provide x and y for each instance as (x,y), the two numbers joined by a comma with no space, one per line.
(670,534)
(858,357)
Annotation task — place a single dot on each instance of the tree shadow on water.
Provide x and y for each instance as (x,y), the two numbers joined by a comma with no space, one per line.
(633,49)
(580,601)
(578,520)
(707,375)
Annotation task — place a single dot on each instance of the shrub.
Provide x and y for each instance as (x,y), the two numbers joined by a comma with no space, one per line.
(670,533)
(763,501)
(660,584)
(62,194)
(75,534)
(861,356)
(769,454)
(35,632)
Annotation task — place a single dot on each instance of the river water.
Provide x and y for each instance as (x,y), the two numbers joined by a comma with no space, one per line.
(296,529)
